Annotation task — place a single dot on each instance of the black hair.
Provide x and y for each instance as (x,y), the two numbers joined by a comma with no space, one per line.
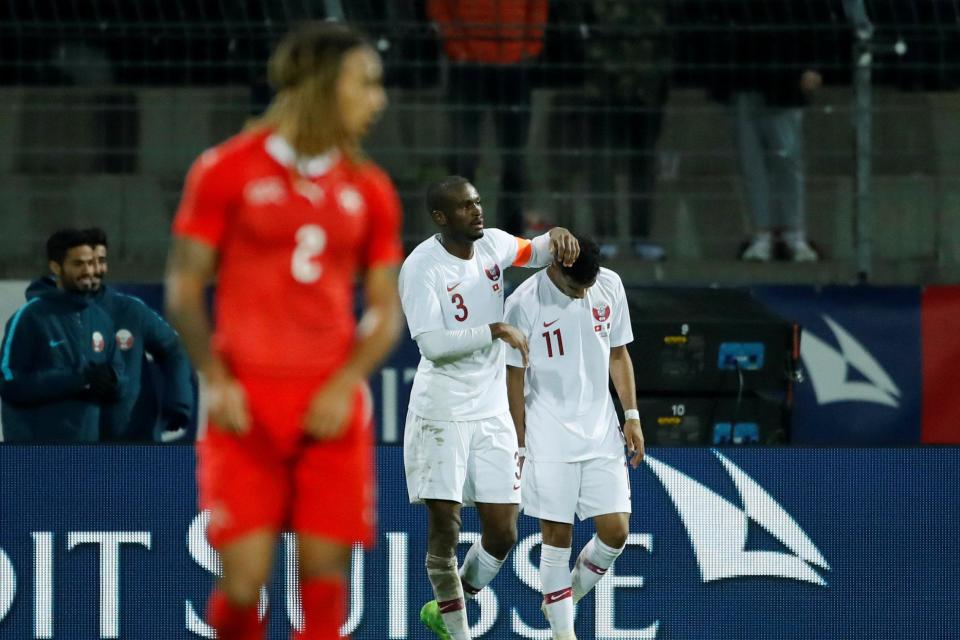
(585,268)
(96,236)
(438,193)
(61,241)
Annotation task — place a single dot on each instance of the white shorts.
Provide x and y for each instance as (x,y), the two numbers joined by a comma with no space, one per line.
(465,462)
(556,491)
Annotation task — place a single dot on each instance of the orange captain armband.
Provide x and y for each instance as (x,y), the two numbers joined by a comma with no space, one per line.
(524,251)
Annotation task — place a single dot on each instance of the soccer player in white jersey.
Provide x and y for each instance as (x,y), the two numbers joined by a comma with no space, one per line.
(572,449)
(460,447)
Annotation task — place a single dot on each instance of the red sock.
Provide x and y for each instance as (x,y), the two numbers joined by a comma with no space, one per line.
(324,609)
(233,622)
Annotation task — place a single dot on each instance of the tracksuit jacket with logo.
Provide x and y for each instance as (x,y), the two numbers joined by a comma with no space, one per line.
(139,331)
(47,345)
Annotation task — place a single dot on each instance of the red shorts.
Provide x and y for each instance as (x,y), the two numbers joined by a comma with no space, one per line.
(276,477)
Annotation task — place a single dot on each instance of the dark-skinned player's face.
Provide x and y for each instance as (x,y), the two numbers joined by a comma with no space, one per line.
(462,219)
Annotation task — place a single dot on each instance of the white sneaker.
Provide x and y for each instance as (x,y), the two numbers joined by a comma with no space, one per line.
(801,251)
(760,249)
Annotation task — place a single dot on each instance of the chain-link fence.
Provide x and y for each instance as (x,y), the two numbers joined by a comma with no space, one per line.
(676,129)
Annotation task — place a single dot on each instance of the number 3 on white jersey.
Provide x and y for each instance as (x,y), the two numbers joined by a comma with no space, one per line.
(311,241)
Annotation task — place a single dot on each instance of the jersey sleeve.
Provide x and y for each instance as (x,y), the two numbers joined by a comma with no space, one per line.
(511,251)
(383,247)
(515,315)
(418,297)
(206,201)
(621,331)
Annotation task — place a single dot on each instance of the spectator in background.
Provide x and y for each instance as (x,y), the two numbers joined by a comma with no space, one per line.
(141,331)
(624,95)
(60,365)
(490,44)
(763,67)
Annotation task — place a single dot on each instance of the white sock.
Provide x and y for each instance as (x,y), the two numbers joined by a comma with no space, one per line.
(479,568)
(442,573)
(763,235)
(592,564)
(557,592)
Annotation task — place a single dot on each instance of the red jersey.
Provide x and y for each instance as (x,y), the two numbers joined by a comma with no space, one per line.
(292,239)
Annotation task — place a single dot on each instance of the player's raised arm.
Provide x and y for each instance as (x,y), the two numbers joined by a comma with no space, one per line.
(557,244)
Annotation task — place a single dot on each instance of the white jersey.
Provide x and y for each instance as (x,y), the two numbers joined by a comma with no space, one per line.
(569,411)
(440,292)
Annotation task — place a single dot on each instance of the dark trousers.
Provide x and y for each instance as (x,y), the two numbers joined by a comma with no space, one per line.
(505,90)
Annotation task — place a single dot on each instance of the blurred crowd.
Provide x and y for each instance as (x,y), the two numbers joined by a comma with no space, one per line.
(609,66)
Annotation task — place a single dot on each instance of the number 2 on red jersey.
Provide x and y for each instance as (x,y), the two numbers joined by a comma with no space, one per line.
(311,241)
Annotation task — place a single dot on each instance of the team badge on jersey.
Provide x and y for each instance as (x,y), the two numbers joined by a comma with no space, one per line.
(98,342)
(350,201)
(269,190)
(124,340)
(493,273)
(601,312)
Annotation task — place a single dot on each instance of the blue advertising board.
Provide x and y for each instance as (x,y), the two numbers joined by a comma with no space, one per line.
(106,542)
(861,359)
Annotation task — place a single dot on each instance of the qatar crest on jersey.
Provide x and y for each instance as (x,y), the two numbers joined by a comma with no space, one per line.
(98,342)
(493,273)
(601,312)
(124,340)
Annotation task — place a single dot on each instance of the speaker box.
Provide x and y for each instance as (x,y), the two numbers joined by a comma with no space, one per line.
(709,341)
(724,420)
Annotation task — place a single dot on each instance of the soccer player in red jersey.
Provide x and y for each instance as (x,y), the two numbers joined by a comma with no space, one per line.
(289,216)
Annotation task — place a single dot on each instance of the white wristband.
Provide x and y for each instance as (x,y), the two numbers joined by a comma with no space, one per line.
(522,451)
(631,414)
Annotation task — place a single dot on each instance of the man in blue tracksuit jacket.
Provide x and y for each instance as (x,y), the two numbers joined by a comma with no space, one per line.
(141,331)
(59,362)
